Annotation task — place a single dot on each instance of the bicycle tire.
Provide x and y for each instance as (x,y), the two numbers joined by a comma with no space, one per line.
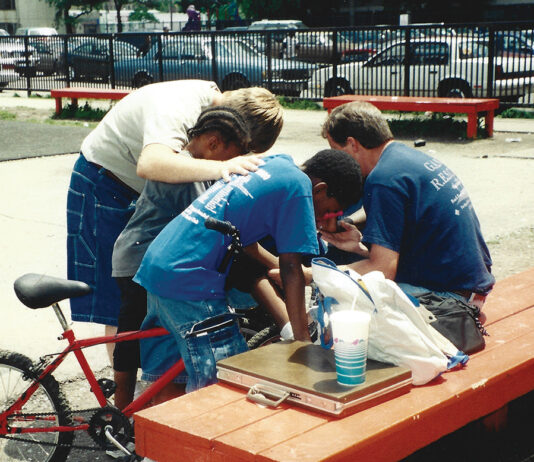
(269,334)
(16,371)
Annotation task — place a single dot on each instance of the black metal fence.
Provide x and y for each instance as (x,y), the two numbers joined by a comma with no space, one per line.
(488,60)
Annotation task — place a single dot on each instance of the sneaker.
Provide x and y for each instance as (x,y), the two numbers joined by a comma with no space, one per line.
(118,454)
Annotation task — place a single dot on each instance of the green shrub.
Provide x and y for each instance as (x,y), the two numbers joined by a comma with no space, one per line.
(295,103)
(84,112)
(6,115)
(515,113)
(438,125)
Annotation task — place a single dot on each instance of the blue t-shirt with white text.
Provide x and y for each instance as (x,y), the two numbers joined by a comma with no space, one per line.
(276,200)
(416,206)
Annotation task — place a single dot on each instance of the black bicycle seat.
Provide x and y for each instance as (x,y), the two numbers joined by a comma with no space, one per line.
(40,291)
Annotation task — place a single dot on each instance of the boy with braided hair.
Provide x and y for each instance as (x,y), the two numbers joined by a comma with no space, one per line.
(181,268)
(219,134)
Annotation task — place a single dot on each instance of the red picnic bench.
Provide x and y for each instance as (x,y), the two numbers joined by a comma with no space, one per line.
(218,423)
(75,93)
(470,106)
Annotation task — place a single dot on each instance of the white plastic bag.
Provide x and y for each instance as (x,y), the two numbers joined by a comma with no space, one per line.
(399,332)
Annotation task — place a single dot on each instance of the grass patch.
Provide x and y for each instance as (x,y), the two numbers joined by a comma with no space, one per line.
(6,115)
(438,125)
(515,113)
(295,103)
(84,112)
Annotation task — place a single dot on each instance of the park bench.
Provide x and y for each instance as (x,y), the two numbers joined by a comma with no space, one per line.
(218,423)
(75,93)
(470,106)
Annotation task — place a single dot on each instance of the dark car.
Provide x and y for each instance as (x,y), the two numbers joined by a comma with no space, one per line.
(234,65)
(48,61)
(93,60)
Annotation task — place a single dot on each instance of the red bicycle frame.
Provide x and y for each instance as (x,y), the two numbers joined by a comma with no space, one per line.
(76,346)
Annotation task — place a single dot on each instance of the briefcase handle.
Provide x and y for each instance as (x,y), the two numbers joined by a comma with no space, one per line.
(258,393)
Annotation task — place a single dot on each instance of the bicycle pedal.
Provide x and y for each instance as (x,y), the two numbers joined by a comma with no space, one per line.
(107,386)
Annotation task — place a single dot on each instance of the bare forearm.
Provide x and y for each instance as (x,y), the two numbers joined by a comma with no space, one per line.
(161,163)
(293,280)
(262,255)
(380,259)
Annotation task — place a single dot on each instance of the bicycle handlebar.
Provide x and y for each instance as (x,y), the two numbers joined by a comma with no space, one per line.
(224,227)
(235,247)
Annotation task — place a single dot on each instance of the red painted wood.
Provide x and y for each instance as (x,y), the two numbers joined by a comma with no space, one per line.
(74,93)
(470,106)
(218,423)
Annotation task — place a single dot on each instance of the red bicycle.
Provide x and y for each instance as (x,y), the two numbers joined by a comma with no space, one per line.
(36,421)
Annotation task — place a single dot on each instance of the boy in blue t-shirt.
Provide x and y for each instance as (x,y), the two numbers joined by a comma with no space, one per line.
(180,268)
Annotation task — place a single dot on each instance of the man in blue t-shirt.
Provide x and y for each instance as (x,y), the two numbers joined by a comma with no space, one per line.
(180,269)
(421,229)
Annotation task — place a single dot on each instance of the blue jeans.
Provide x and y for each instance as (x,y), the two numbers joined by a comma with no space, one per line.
(416,291)
(200,353)
(98,209)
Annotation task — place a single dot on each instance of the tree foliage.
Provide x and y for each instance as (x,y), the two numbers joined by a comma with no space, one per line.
(63,13)
(437,10)
(286,9)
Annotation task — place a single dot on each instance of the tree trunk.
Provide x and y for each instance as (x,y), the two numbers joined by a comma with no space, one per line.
(118,7)
(69,25)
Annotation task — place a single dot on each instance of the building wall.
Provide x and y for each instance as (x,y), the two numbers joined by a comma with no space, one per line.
(27,13)
(35,13)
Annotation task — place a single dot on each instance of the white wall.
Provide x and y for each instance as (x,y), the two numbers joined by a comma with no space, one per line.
(35,13)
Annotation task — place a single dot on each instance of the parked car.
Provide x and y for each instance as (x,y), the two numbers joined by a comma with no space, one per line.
(449,67)
(276,24)
(4,78)
(45,31)
(93,60)
(237,65)
(13,54)
(44,61)
(4,33)
(281,28)
(318,47)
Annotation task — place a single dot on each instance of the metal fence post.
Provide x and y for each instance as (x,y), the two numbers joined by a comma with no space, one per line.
(66,59)
(335,56)
(160,58)
(214,69)
(112,61)
(407,60)
(491,61)
(27,60)
(269,53)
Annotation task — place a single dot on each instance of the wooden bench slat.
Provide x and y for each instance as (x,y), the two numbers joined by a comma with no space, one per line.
(258,437)
(509,296)
(158,423)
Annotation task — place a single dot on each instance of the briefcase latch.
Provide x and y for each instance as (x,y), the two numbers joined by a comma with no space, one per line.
(267,396)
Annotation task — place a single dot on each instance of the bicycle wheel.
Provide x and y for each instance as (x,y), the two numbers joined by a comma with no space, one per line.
(270,334)
(47,407)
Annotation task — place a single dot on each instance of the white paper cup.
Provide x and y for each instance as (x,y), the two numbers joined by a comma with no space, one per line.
(350,331)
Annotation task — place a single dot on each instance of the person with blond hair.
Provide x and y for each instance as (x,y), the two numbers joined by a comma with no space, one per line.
(141,138)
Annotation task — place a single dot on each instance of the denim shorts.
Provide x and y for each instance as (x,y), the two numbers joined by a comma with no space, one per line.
(416,291)
(200,353)
(98,209)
